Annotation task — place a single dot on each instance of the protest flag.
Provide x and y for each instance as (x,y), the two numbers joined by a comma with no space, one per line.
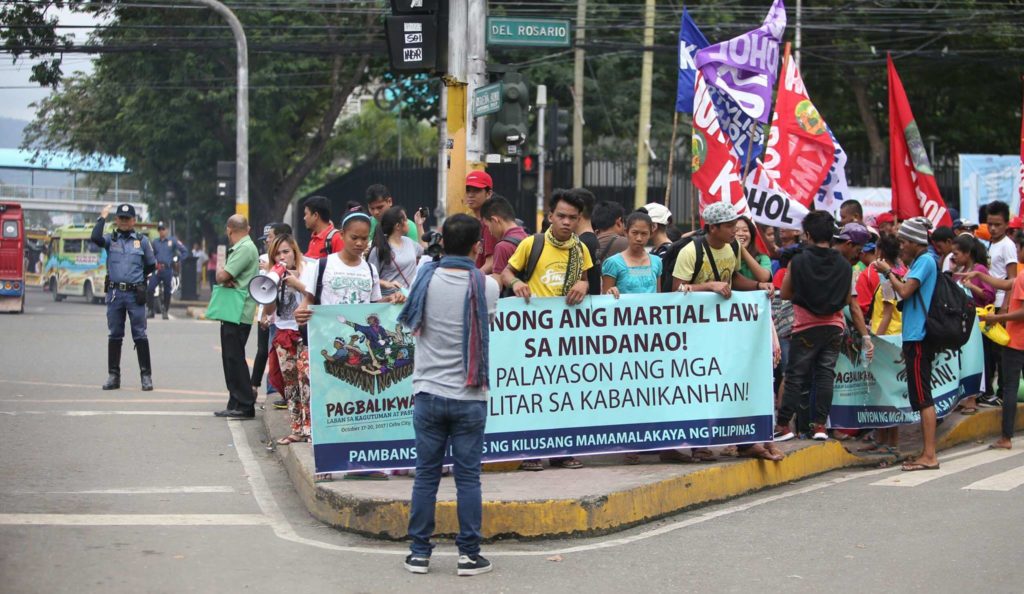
(1020,182)
(800,151)
(914,191)
(690,41)
(834,189)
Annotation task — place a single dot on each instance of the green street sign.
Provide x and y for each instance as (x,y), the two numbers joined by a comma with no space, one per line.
(487,100)
(528,32)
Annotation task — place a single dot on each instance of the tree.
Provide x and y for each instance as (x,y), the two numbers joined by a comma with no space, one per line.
(172,109)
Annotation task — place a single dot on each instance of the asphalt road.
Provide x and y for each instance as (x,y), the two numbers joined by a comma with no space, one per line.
(148,492)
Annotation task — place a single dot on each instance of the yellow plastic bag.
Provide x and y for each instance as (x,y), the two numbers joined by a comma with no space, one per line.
(994,332)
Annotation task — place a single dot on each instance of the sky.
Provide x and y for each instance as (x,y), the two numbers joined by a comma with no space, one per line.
(17,93)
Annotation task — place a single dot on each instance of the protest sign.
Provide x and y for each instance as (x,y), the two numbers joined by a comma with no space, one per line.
(644,372)
(876,396)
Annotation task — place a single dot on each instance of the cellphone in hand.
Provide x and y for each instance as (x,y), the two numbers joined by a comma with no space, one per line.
(424,212)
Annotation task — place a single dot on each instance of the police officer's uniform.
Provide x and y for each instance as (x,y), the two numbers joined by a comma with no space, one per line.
(164,250)
(129,260)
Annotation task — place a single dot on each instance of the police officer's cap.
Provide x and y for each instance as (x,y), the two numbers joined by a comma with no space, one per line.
(125,211)
(161,226)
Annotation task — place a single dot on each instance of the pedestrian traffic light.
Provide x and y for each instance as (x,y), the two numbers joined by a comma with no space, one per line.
(226,179)
(556,128)
(528,172)
(411,32)
(510,125)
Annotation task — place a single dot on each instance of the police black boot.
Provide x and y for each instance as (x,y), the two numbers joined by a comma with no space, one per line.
(150,306)
(142,350)
(113,365)
(166,297)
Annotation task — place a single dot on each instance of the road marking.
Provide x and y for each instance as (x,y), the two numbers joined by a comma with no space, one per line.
(284,530)
(115,400)
(138,491)
(100,413)
(946,468)
(132,520)
(92,387)
(1004,481)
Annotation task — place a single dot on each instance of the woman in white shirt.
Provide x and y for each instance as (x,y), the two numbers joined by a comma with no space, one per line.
(394,254)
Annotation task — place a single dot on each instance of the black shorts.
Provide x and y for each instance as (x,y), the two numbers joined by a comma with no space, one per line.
(918,358)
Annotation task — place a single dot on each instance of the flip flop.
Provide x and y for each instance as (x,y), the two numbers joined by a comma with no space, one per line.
(572,463)
(531,465)
(915,466)
(760,452)
(374,475)
(999,447)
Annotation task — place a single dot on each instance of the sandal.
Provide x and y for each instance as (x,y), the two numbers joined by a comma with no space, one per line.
(565,463)
(674,456)
(702,455)
(373,475)
(531,465)
(323,477)
(631,459)
(968,410)
(759,451)
(873,447)
(288,439)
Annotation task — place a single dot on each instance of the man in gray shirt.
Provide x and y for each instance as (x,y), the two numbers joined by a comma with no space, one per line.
(450,304)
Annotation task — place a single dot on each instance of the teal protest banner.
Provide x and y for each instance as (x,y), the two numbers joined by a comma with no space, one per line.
(644,372)
(876,396)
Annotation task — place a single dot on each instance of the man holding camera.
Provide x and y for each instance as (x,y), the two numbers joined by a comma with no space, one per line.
(129,260)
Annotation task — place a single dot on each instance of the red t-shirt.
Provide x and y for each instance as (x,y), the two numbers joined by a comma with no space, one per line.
(867,284)
(317,241)
(489,243)
(503,250)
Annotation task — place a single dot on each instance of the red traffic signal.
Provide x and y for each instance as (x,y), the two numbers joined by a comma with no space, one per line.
(529,164)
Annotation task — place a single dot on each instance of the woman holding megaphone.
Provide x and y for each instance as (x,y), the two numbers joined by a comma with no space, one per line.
(284,254)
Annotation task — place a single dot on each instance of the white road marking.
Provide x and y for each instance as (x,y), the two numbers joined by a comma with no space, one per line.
(284,530)
(132,520)
(101,413)
(946,468)
(96,387)
(140,491)
(1004,481)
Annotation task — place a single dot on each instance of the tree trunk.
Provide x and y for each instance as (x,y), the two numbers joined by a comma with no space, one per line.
(879,150)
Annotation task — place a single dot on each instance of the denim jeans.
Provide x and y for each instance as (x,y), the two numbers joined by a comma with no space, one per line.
(438,421)
(1013,361)
(812,354)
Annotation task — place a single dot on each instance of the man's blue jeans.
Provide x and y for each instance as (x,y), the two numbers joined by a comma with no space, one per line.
(437,421)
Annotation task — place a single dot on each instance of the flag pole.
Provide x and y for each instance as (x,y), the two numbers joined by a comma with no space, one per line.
(671,157)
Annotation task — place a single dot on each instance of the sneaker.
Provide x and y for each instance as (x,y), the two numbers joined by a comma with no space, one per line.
(990,402)
(281,404)
(819,432)
(783,433)
(473,565)
(416,564)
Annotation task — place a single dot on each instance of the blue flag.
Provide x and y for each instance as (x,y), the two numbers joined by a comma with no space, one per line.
(690,40)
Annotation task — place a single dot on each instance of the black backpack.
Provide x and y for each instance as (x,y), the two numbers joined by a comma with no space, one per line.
(950,318)
(531,263)
(326,249)
(669,253)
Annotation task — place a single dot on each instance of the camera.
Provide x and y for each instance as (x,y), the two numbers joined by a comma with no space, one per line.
(434,248)
(424,212)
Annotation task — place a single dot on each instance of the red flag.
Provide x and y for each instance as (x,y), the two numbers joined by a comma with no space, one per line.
(800,150)
(914,191)
(1020,186)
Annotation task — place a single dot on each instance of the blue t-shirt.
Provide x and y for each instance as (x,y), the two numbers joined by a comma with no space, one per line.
(915,309)
(635,279)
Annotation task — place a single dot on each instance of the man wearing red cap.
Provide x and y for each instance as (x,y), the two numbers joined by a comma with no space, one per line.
(886,223)
(479,188)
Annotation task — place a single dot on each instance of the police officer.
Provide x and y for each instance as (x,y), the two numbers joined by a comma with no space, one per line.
(167,250)
(129,260)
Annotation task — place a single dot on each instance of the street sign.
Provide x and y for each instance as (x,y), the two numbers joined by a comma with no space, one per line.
(528,32)
(487,100)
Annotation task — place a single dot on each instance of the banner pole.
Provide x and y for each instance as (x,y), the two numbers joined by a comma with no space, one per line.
(671,157)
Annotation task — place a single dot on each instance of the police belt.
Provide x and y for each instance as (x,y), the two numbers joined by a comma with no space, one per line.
(123,286)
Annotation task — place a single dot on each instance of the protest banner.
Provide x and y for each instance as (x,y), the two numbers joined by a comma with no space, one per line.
(834,190)
(644,372)
(984,178)
(876,396)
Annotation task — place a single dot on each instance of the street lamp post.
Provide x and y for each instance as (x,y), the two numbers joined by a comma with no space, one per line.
(242,120)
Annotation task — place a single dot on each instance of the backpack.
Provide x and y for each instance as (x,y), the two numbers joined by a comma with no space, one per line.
(531,262)
(669,253)
(326,249)
(950,318)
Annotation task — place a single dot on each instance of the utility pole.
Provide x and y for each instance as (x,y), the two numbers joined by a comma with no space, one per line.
(643,140)
(799,26)
(577,88)
(242,109)
(442,154)
(476,30)
(542,104)
(455,81)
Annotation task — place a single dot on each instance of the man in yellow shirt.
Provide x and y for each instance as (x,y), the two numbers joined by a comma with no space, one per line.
(564,261)
(561,271)
(719,270)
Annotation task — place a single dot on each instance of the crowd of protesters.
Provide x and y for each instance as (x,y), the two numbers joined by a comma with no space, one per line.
(831,281)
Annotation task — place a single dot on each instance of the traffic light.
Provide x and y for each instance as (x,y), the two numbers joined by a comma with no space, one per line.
(226,179)
(528,172)
(556,128)
(510,125)
(411,32)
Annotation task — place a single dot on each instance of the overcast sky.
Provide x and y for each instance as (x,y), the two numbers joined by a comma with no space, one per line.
(15,98)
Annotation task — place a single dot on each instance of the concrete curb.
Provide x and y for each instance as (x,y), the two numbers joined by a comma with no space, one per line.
(387,517)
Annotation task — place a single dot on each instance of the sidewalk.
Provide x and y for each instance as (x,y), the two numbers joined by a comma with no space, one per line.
(604,496)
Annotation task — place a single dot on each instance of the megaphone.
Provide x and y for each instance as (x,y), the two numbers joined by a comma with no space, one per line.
(263,287)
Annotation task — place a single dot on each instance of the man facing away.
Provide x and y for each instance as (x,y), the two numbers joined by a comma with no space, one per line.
(324,239)
(450,387)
